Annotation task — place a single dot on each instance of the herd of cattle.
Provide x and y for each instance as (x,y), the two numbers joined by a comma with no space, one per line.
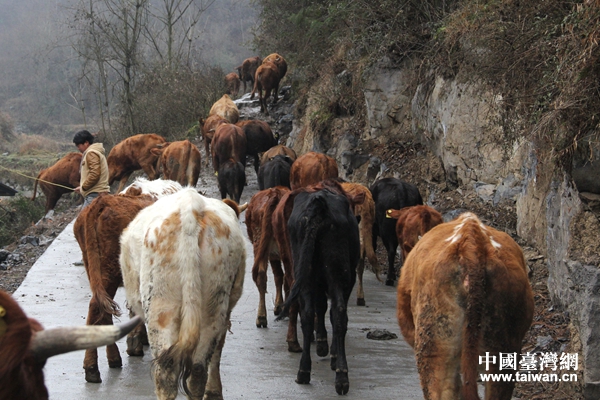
(463,289)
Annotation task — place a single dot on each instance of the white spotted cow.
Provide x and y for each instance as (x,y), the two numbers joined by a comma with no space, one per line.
(183,261)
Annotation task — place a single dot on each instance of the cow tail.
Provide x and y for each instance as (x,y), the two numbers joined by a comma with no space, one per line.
(35,187)
(185,169)
(473,277)
(266,233)
(302,270)
(255,87)
(94,271)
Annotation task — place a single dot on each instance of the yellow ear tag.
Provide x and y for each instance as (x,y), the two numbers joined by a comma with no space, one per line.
(388,214)
(2,321)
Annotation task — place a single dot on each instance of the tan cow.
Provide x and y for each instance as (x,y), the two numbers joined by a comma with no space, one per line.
(134,153)
(266,80)
(366,210)
(226,108)
(279,150)
(181,162)
(312,168)
(413,223)
(464,294)
(232,83)
(64,172)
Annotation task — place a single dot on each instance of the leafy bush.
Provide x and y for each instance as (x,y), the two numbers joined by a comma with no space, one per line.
(16,215)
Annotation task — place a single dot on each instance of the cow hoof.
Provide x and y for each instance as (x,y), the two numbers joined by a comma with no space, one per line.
(303,377)
(261,322)
(294,347)
(92,374)
(135,346)
(213,396)
(118,363)
(277,309)
(389,282)
(322,347)
(360,302)
(341,383)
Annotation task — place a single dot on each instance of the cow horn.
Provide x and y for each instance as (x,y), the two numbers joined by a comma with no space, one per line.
(51,342)
(243,207)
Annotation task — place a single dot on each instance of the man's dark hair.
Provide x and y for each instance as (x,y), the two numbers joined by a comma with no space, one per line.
(83,136)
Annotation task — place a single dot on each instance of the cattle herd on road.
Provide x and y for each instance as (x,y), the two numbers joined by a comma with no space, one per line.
(463,288)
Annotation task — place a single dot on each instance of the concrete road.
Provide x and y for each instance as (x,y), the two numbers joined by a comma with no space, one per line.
(255,363)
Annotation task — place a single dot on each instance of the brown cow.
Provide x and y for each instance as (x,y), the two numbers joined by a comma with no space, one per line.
(64,172)
(208,127)
(413,223)
(312,168)
(247,70)
(464,294)
(25,346)
(366,210)
(279,61)
(232,83)
(181,162)
(279,150)
(226,108)
(259,138)
(136,152)
(229,142)
(260,232)
(267,78)
(97,230)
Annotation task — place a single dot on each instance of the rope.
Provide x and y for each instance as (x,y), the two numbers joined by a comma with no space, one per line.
(34,178)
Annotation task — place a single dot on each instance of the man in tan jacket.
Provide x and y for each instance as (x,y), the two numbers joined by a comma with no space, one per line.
(94,169)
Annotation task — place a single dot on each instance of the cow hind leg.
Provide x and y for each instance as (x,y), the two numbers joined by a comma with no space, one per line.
(391,274)
(339,322)
(321,309)
(307,317)
(259,274)
(278,277)
(214,387)
(292,333)
(136,340)
(360,293)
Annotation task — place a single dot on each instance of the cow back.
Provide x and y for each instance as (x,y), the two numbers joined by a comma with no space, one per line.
(278,150)
(259,136)
(312,168)
(226,108)
(279,61)
(133,153)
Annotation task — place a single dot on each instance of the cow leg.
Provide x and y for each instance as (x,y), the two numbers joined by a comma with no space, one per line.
(292,333)
(320,310)
(278,276)
(276,91)
(259,275)
(256,163)
(307,317)
(360,293)
(391,253)
(90,361)
(214,387)
(339,323)
(136,339)
(123,182)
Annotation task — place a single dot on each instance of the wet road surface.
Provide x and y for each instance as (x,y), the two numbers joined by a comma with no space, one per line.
(255,363)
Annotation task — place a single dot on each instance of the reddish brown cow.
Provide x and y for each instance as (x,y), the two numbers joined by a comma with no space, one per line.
(229,142)
(366,211)
(279,150)
(312,168)
(25,346)
(260,232)
(64,172)
(97,230)
(267,80)
(247,70)
(279,61)
(413,223)
(259,138)
(226,108)
(463,294)
(136,152)
(208,127)
(232,83)
(181,163)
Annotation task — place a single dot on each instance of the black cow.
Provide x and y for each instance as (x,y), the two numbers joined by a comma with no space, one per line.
(231,178)
(391,193)
(325,246)
(259,138)
(275,172)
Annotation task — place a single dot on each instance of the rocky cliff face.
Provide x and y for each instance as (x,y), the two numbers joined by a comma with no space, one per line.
(464,147)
